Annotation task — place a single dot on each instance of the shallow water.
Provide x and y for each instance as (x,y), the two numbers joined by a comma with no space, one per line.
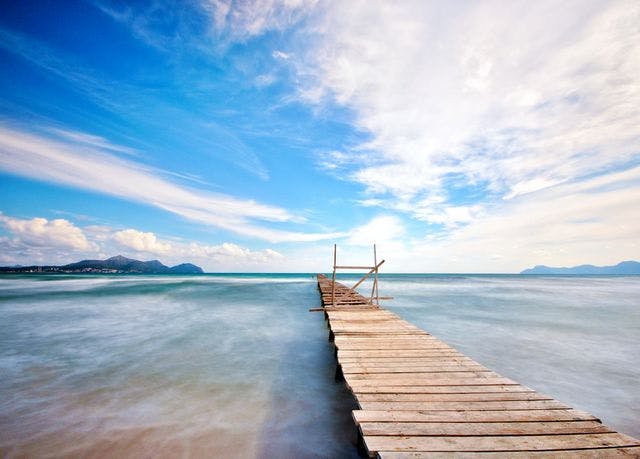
(235,366)
(168,366)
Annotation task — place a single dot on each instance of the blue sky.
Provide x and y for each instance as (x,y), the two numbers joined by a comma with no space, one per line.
(251,136)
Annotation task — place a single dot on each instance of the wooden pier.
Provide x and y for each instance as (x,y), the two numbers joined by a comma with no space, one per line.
(420,398)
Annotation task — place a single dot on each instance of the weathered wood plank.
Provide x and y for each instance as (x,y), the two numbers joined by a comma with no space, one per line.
(380,389)
(372,340)
(442,429)
(396,346)
(416,340)
(395,353)
(477,397)
(498,443)
(408,368)
(426,375)
(416,360)
(455,368)
(471,416)
(411,381)
(398,329)
(598,453)
(398,353)
(466,405)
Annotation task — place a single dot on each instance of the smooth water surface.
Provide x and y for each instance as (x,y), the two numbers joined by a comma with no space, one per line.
(168,366)
(235,366)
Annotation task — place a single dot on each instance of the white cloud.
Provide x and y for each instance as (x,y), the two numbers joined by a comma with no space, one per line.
(380,229)
(141,241)
(264,80)
(89,167)
(229,254)
(514,97)
(81,138)
(593,221)
(511,129)
(277,54)
(42,241)
(242,20)
(40,232)
(216,257)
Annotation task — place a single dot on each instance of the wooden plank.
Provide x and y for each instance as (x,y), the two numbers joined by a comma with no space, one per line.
(440,429)
(391,361)
(371,314)
(380,389)
(408,368)
(498,443)
(370,330)
(373,327)
(439,362)
(381,332)
(374,322)
(598,453)
(411,381)
(397,346)
(399,416)
(473,397)
(374,339)
(399,353)
(367,340)
(467,405)
(426,375)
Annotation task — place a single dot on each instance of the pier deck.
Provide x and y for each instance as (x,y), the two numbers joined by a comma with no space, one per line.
(420,398)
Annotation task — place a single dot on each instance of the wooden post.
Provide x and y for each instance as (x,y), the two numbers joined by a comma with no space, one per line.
(375,276)
(375,258)
(333,279)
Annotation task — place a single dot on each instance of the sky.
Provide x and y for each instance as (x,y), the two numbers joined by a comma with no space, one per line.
(253,135)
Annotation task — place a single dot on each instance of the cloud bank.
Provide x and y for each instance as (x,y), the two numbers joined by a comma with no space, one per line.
(59,241)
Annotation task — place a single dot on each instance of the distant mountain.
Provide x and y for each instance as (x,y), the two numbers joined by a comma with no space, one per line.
(113,265)
(185,268)
(626,267)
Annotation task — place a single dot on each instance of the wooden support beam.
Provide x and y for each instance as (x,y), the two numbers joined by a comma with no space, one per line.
(333,281)
(366,276)
(355,267)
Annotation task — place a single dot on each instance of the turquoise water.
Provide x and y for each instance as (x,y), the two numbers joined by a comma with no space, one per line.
(236,366)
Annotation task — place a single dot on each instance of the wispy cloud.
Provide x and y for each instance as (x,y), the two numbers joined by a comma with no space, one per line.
(591,221)
(238,21)
(126,98)
(71,163)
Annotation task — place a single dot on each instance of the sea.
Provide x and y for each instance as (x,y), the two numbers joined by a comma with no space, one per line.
(235,365)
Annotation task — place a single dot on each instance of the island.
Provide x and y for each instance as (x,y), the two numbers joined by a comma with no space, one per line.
(113,265)
(623,268)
